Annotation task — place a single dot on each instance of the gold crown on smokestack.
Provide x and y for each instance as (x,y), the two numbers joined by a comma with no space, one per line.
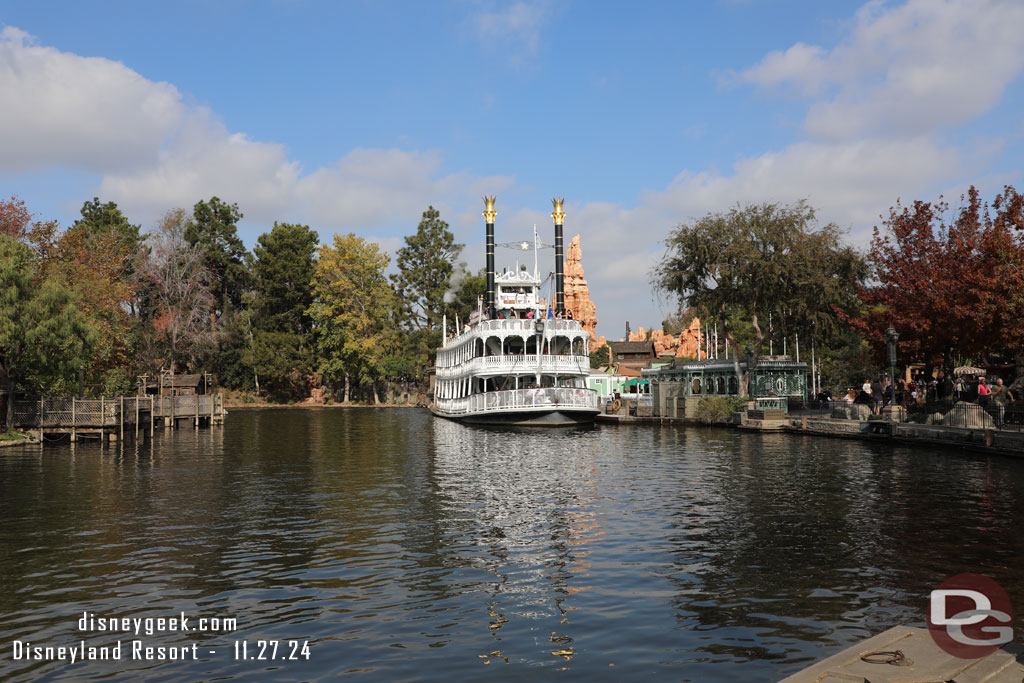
(489,213)
(558,214)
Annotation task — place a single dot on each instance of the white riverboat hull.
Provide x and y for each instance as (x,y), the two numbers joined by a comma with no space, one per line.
(525,418)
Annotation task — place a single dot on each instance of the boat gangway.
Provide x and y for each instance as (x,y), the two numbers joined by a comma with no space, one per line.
(115,418)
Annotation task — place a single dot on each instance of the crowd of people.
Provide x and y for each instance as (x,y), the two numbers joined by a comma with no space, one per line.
(980,390)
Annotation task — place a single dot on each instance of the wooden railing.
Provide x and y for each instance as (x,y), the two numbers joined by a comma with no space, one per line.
(111,412)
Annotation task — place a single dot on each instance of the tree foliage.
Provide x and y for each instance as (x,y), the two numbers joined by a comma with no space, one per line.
(464,294)
(282,271)
(14,219)
(949,283)
(43,335)
(354,312)
(213,230)
(180,288)
(425,266)
(93,266)
(758,261)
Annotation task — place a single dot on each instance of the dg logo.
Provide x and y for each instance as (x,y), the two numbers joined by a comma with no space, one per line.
(969,616)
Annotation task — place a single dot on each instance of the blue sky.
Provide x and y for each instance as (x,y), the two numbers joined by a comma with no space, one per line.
(354,116)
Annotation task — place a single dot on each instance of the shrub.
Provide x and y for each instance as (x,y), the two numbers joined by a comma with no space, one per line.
(712,409)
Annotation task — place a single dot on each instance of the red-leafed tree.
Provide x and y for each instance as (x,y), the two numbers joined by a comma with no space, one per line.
(14,219)
(951,288)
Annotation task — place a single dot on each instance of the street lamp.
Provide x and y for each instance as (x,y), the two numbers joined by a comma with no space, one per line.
(891,337)
(750,371)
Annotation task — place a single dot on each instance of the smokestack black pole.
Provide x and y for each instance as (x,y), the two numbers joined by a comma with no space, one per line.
(559,216)
(489,216)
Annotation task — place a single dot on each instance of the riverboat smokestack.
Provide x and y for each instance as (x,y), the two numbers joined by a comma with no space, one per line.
(559,216)
(489,215)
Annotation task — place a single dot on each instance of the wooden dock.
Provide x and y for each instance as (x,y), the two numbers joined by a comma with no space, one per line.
(909,655)
(113,419)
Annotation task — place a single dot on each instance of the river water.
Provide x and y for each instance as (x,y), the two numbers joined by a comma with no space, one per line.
(388,545)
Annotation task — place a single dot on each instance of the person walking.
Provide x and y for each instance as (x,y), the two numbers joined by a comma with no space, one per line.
(1000,397)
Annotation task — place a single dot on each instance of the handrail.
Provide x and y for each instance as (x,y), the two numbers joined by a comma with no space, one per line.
(521,400)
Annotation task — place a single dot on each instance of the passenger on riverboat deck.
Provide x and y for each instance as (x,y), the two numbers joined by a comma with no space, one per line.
(529,315)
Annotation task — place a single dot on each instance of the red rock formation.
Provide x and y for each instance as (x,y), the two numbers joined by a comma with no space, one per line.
(685,345)
(577,294)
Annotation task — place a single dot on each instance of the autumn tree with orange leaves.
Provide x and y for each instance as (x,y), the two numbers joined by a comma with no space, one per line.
(952,284)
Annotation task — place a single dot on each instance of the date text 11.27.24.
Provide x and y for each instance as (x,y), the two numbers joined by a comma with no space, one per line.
(272,649)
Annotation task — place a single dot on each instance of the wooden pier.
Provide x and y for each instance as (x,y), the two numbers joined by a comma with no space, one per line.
(113,419)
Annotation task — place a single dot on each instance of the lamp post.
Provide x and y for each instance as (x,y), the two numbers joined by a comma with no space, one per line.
(750,372)
(891,337)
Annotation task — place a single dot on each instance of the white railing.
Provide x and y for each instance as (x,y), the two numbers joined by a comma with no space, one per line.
(527,325)
(551,398)
(560,364)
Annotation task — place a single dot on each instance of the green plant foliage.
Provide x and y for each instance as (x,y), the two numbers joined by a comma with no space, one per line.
(717,409)
(44,337)
(425,266)
(354,310)
(282,271)
(213,230)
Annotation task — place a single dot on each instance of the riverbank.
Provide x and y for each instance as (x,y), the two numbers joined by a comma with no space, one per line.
(241,405)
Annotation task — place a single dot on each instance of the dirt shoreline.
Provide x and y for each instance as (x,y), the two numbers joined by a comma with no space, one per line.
(317,406)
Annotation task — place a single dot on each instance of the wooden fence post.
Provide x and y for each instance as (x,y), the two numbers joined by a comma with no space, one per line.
(120,420)
(152,416)
(41,410)
(195,397)
(74,421)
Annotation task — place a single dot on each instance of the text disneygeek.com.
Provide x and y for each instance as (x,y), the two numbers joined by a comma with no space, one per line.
(139,650)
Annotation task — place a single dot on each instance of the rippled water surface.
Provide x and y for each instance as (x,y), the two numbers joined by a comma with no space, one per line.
(407,548)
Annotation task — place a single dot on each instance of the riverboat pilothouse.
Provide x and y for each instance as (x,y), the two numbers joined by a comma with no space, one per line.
(518,360)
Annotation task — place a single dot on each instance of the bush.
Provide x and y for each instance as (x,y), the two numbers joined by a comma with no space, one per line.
(712,409)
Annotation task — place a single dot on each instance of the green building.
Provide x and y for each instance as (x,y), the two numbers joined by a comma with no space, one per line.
(677,388)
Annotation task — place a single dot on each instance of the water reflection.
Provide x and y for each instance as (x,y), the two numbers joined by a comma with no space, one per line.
(404,547)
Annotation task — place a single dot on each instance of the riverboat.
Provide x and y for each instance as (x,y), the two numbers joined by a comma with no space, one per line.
(517,361)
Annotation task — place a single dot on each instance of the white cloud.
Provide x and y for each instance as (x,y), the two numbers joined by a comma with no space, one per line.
(518,25)
(86,113)
(154,152)
(204,159)
(906,70)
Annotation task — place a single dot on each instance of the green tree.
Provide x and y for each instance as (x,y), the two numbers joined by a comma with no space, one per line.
(354,312)
(282,271)
(213,230)
(283,361)
(425,266)
(99,219)
(761,260)
(463,297)
(600,356)
(43,335)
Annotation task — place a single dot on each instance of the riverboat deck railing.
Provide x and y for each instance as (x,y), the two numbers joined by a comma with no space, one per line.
(521,399)
(523,325)
(560,364)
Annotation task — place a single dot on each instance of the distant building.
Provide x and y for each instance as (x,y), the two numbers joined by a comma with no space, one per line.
(634,355)
(176,385)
